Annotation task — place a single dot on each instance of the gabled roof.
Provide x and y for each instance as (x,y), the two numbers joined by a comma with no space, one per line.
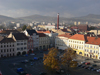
(8,31)
(41,35)
(20,36)
(65,35)
(1,37)
(93,40)
(30,32)
(78,37)
(44,31)
(7,40)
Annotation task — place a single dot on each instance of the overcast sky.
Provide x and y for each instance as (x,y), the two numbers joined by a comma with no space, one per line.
(66,8)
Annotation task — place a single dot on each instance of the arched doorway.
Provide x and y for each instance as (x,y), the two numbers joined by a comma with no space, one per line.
(23,53)
(44,47)
(80,53)
(1,55)
(87,55)
(7,55)
(18,53)
(90,56)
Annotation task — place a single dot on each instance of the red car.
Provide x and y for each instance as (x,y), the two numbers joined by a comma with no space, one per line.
(88,63)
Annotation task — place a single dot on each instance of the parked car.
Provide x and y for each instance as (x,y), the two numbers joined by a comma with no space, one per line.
(36,58)
(83,66)
(32,54)
(20,69)
(26,61)
(98,70)
(22,73)
(94,69)
(86,67)
(43,73)
(94,65)
(83,62)
(88,63)
(90,68)
(79,65)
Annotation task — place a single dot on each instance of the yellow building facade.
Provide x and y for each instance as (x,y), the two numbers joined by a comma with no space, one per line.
(91,51)
(77,42)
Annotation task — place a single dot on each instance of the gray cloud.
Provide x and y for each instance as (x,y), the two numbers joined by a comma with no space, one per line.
(66,8)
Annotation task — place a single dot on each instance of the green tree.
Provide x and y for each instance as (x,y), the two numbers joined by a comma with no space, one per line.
(29,27)
(67,58)
(50,60)
(24,27)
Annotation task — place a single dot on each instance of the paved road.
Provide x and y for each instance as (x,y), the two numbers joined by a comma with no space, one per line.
(7,67)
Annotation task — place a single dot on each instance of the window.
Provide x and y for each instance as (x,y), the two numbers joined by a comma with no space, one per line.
(4,45)
(91,51)
(94,51)
(24,43)
(85,50)
(7,50)
(1,46)
(94,46)
(85,45)
(18,48)
(18,44)
(21,43)
(4,50)
(10,50)
(13,49)
(22,48)
(1,50)
(90,46)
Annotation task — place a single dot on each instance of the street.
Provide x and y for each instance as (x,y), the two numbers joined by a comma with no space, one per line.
(8,66)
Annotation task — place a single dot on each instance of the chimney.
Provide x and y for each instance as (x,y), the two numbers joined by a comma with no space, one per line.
(57,21)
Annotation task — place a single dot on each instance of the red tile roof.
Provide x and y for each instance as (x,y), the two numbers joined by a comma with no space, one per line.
(65,35)
(78,37)
(93,40)
(44,31)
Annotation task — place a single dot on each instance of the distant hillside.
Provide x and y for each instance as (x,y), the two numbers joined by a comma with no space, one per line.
(90,18)
(5,18)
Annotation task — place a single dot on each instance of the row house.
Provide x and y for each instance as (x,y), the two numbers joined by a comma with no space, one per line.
(92,47)
(44,41)
(7,47)
(33,42)
(77,42)
(7,32)
(51,35)
(61,41)
(20,42)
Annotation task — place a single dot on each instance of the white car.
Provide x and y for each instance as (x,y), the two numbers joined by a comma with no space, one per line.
(32,54)
(83,62)
(98,70)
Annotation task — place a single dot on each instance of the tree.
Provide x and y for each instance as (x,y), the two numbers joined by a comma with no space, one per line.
(67,58)
(29,27)
(24,27)
(50,60)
